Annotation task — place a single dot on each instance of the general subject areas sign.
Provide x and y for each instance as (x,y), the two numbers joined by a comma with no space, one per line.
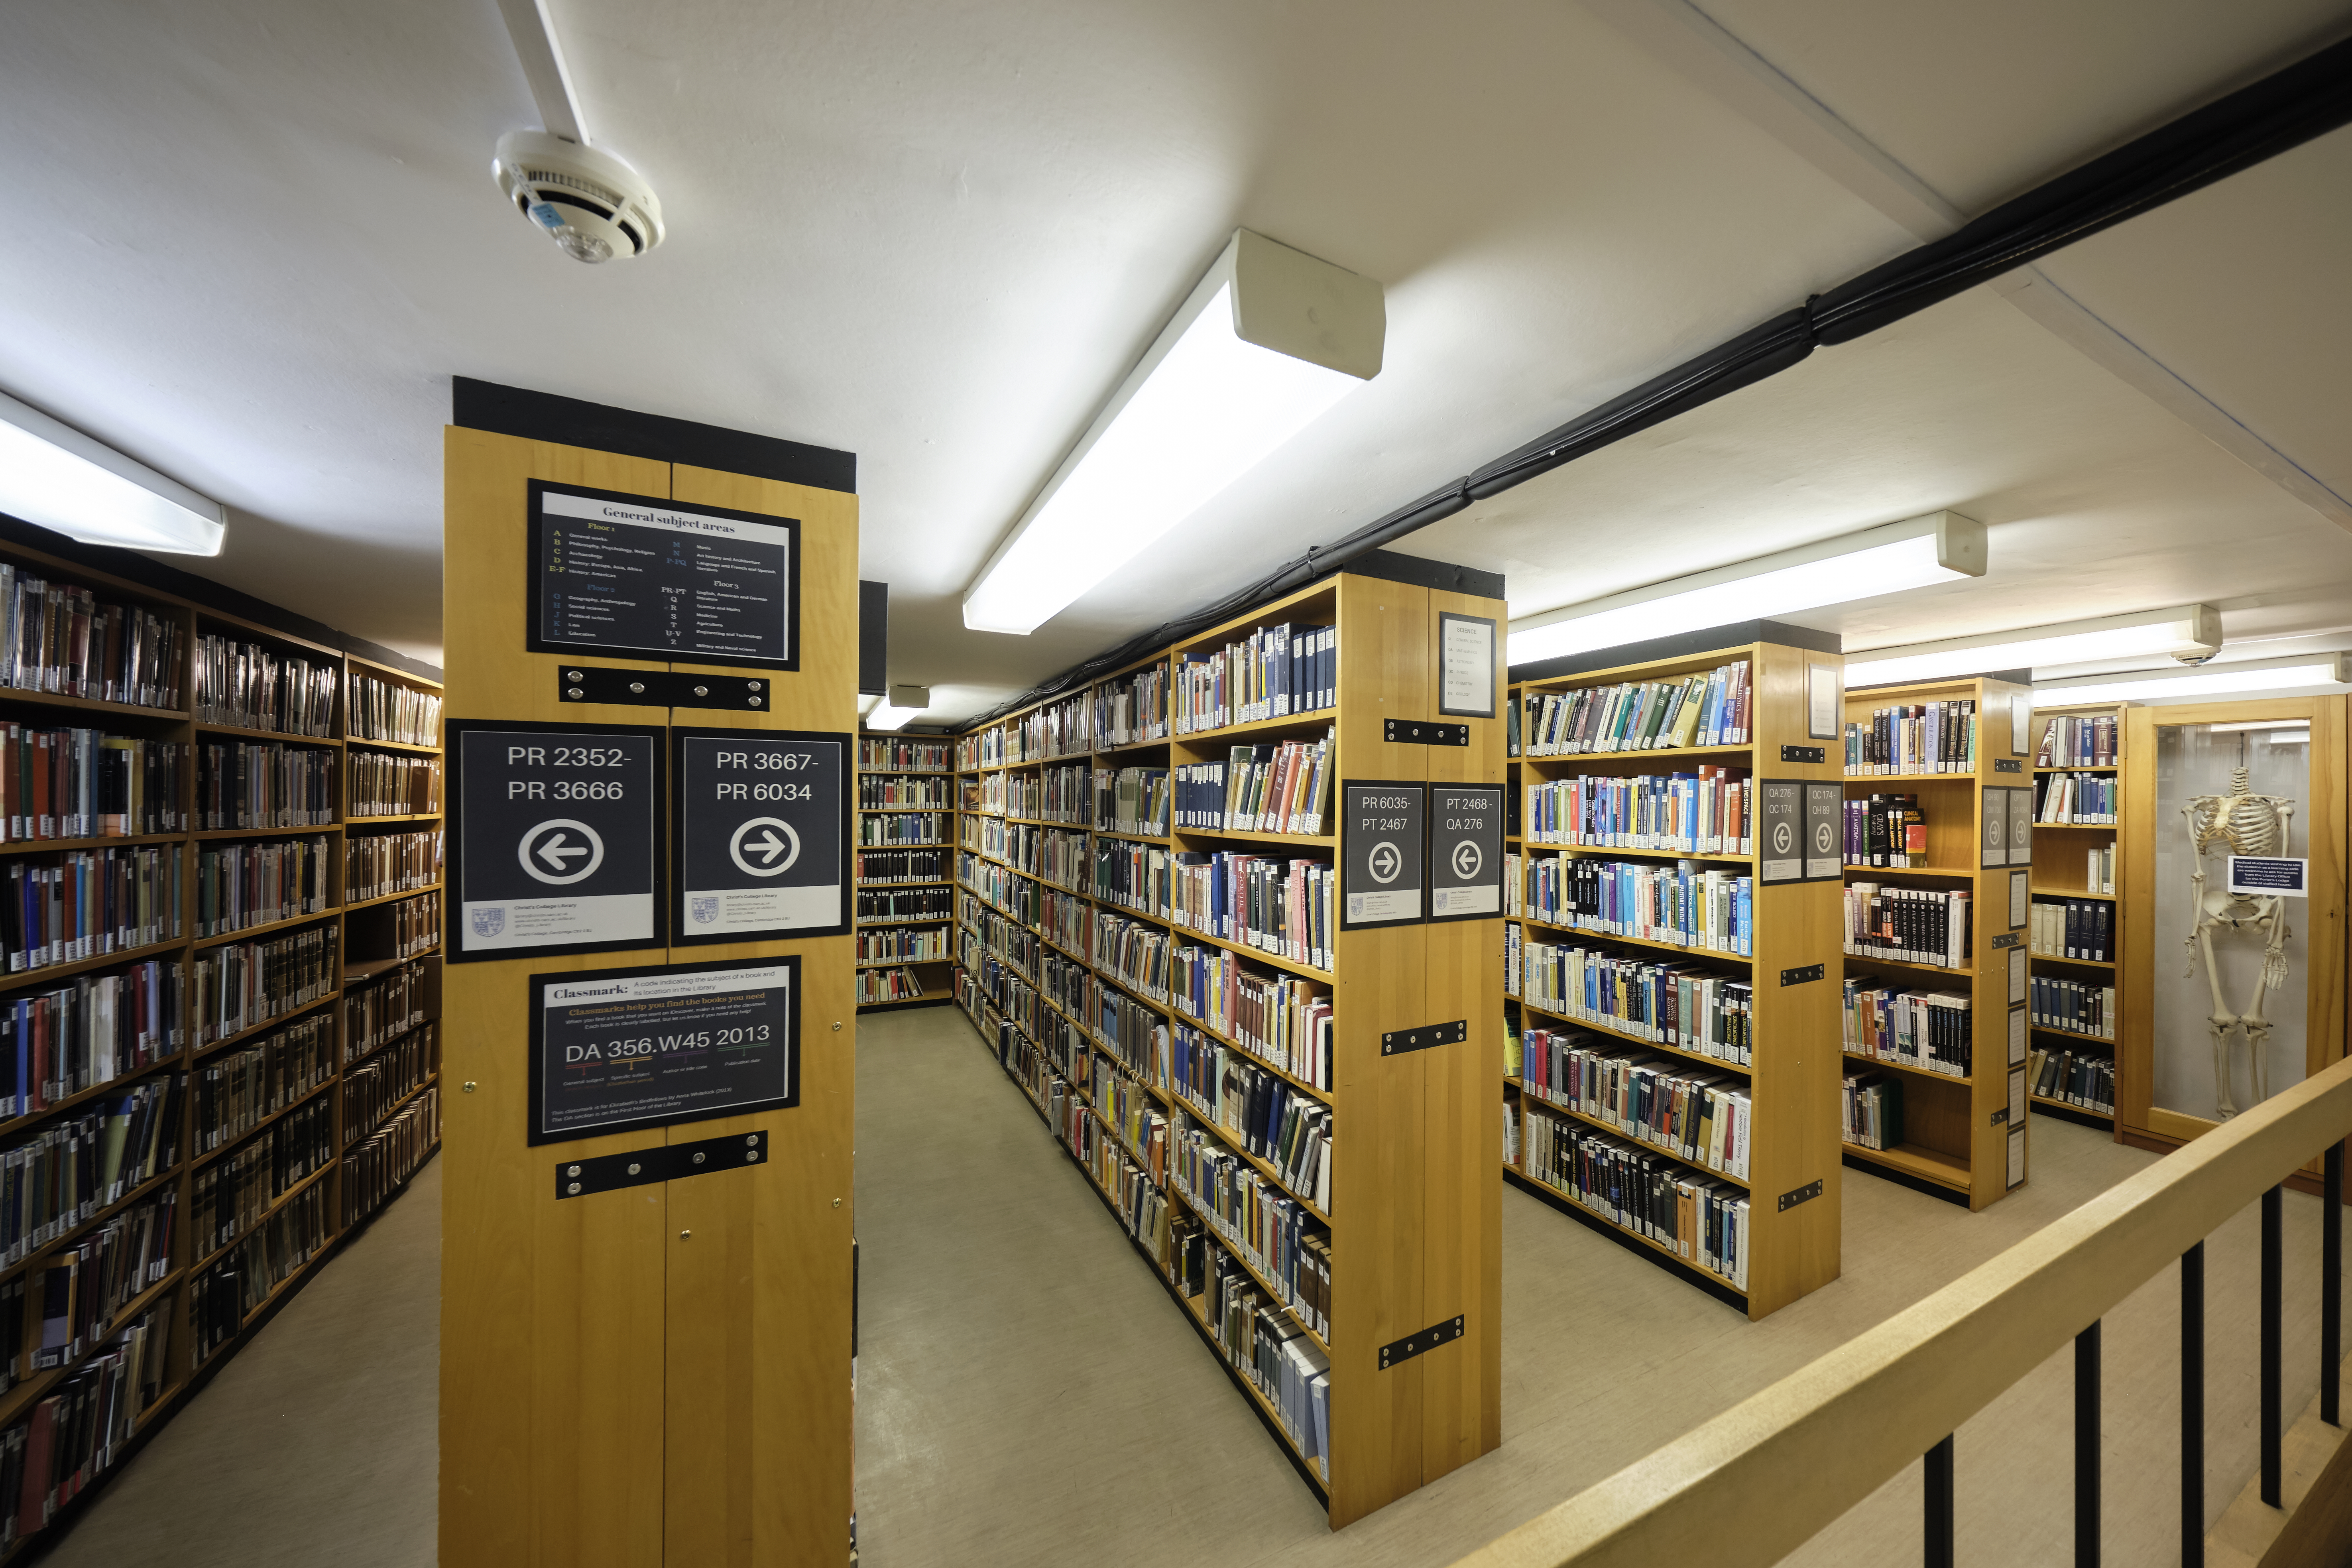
(555,843)
(625,1049)
(762,834)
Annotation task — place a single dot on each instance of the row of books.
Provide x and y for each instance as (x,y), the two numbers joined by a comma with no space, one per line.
(1270,1231)
(251,686)
(992,792)
(1885,830)
(241,985)
(1261,1113)
(1874,1111)
(903,944)
(2074,928)
(253,883)
(1064,859)
(378,865)
(1915,738)
(913,904)
(1138,877)
(888,985)
(79,1430)
(225,1297)
(1284,787)
(1284,907)
(84,1161)
(1133,801)
(1272,672)
(373,1087)
(1927,1029)
(82,1288)
(415,927)
(904,754)
(1059,729)
(374,1168)
(2069,742)
(86,783)
(1661,1001)
(1277,1018)
(1915,925)
(381,709)
(879,792)
(1708,811)
(1132,709)
(92,1030)
(1002,934)
(885,829)
(1710,708)
(1686,904)
(60,637)
(1063,795)
(1268,1346)
(2073,1078)
(2074,1005)
(1138,1038)
(91,903)
(236,1090)
(2090,799)
(878,865)
(391,784)
(1698,1117)
(2099,869)
(1133,953)
(380,1011)
(1698,1218)
(264,784)
(234,1192)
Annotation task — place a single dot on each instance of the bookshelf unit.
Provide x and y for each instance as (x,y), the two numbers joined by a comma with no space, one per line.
(1079,975)
(1964,1138)
(2063,874)
(1789,1194)
(260,1110)
(906,920)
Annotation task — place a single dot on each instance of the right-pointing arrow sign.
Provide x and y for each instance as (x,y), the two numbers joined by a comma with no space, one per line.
(769,848)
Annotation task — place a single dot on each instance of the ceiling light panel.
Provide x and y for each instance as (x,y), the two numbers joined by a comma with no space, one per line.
(2212,681)
(53,475)
(1267,341)
(1895,558)
(2191,629)
(899,709)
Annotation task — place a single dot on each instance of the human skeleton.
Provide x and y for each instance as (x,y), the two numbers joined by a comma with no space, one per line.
(2238,823)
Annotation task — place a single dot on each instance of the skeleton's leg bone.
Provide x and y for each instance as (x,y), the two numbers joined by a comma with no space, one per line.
(2221,1021)
(2258,1034)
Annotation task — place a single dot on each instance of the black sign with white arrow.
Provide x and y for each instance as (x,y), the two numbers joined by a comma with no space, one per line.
(761,835)
(554,842)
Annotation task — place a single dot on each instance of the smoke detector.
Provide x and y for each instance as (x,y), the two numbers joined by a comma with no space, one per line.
(594,206)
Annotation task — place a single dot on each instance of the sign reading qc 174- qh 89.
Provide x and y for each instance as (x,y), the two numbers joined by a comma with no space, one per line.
(762,834)
(554,842)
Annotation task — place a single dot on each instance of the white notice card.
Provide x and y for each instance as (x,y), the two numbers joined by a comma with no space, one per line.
(1466,658)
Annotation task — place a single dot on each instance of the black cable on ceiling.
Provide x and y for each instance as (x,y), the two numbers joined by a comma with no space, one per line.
(2275,115)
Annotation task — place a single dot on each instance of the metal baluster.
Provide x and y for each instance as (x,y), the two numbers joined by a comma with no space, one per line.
(2192,1407)
(2274,1310)
(2086,1447)
(1940,1506)
(2331,1282)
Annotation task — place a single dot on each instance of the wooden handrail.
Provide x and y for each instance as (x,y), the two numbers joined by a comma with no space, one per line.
(1788,1461)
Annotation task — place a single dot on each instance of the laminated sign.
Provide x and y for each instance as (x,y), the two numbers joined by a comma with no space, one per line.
(1381,848)
(622,1049)
(1465,851)
(554,842)
(760,835)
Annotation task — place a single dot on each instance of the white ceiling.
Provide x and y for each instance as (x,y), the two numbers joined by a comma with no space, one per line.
(257,237)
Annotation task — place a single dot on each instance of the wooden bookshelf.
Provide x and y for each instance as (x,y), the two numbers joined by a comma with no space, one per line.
(2062,873)
(249,1275)
(1413,1217)
(1791,1189)
(1964,1138)
(892,766)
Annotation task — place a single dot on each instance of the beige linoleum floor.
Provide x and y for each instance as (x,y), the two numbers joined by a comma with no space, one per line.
(1029,1398)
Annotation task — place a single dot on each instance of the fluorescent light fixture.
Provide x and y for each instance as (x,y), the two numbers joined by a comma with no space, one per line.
(2188,629)
(2301,725)
(1937,548)
(897,711)
(53,475)
(1268,340)
(867,701)
(2213,679)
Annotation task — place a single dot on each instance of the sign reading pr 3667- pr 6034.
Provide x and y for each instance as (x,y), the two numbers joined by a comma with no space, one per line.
(762,834)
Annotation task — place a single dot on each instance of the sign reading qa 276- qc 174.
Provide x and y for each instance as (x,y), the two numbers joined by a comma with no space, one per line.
(555,838)
(762,834)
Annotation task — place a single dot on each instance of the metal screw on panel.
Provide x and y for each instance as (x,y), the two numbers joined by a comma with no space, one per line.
(755,702)
(572,1191)
(571,1170)
(470,1085)
(702,691)
(572,692)
(574,675)
(697,1159)
(754,1138)
(752,684)
(751,1154)
(637,687)
(686,1235)
(837,1202)
(633,1168)
(836,1025)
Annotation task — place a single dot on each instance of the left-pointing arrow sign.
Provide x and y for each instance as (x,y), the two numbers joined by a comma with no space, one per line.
(552,842)
(555,851)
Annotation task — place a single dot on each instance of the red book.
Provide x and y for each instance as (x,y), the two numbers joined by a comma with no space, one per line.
(33,1503)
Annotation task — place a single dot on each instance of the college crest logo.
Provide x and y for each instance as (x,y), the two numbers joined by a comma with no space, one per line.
(705,910)
(490,922)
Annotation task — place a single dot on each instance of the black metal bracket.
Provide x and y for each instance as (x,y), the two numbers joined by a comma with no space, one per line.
(659,689)
(2008,765)
(1429,1339)
(663,1163)
(1804,755)
(1800,974)
(1805,1194)
(1999,1117)
(1399,1041)
(1424,733)
(2007,939)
